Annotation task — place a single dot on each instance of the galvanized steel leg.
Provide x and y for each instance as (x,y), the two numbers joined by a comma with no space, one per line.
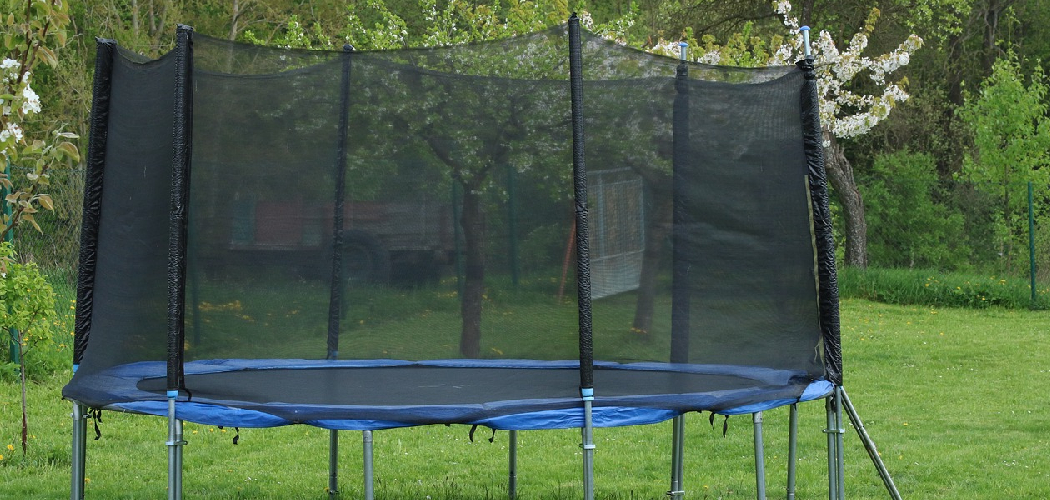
(588,448)
(840,446)
(333,463)
(760,458)
(677,491)
(79,458)
(833,471)
(175,444)
(512,464)
(792,450)
(836,475)
(367,446)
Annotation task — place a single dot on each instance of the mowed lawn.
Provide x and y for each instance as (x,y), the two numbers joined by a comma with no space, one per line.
(958,402)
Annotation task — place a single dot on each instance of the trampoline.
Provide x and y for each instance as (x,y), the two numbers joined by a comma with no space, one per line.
(363,240)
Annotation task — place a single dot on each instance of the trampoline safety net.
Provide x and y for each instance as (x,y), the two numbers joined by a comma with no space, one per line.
(391,235)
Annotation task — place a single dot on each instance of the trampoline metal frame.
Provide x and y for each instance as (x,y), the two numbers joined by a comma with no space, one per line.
(835,403)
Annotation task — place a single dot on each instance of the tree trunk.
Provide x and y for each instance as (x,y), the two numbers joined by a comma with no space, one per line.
(840,175)
(135,18)
(655,235)
(474,273)
(235,16)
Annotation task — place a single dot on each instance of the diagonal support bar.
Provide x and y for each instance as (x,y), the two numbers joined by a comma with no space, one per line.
(869,445)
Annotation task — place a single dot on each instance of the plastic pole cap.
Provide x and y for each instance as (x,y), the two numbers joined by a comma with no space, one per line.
(682,46)
(805,40)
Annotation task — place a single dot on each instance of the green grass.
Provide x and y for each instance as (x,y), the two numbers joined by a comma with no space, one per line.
(954,398)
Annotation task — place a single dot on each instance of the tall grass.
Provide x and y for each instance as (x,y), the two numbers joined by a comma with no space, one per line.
(935,288)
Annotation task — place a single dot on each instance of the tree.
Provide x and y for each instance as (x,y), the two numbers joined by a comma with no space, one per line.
(1011,138)
(903,194)
(845,111)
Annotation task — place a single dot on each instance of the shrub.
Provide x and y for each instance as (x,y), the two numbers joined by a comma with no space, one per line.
(909,225)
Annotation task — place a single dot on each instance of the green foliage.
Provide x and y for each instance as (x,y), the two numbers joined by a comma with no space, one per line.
(936,288)
(904,194)
(1011,146)
(1010,130)
(743,48)
(27,300)
(27,304)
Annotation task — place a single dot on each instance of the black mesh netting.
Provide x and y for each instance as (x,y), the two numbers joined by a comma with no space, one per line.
(417,205)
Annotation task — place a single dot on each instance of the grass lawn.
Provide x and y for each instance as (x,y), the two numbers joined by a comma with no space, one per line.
(956,400)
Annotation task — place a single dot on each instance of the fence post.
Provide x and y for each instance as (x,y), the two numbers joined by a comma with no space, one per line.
(15,347)
(1031,240)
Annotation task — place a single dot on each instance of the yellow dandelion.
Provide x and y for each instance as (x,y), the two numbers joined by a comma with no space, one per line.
(10,447)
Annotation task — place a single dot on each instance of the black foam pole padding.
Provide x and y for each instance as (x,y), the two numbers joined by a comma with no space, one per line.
(96,163)
(680,218)
(579,179)
(182,145)
(335,296)
(813,143)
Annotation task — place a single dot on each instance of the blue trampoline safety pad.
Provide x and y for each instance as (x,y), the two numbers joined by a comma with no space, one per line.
(381,394)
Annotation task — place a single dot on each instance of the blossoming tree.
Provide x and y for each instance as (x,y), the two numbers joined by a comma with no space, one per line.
(844,112)
(30,30)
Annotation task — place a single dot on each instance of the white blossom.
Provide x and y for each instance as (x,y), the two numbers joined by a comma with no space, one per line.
(31,104)
(843,113)
(712,57)
(587,20)
(12,130)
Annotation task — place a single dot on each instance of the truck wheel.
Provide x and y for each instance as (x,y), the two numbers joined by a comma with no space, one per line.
(364,259)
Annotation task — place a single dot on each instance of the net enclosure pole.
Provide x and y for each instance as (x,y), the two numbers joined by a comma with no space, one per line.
(96,160)
(828,291)
(338,204)
(180,182)
(336,290)
(583,274)
(680,292)
(827,280)
(680,301)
